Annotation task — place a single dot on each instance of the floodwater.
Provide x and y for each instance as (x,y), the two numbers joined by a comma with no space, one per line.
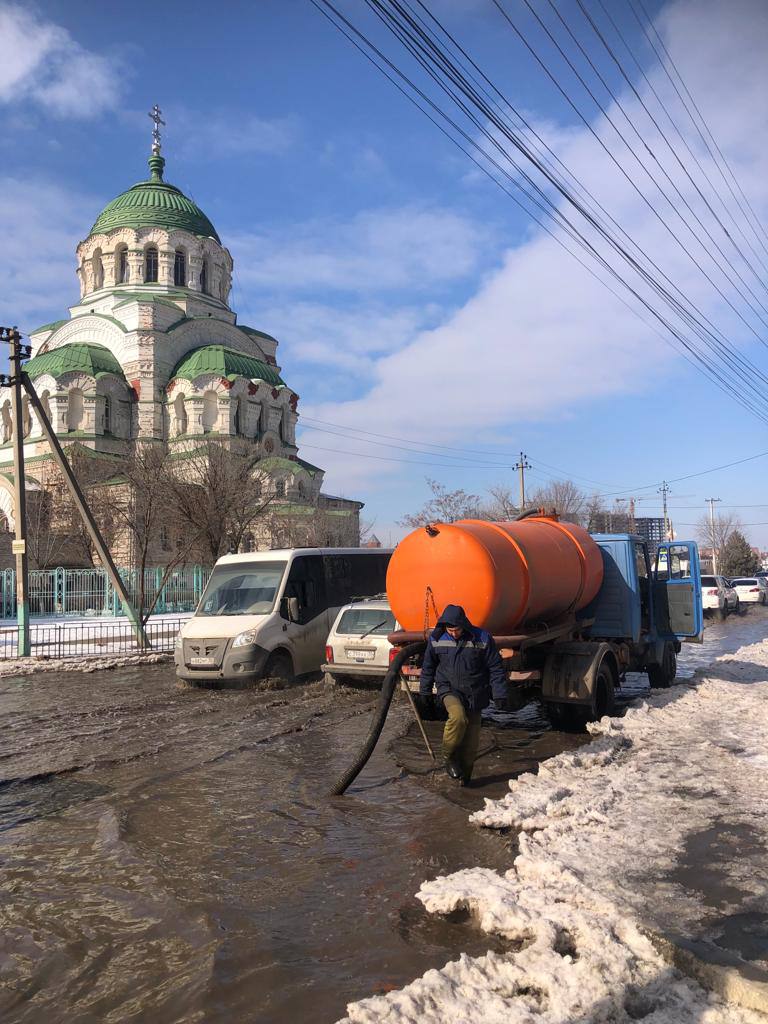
(169,854)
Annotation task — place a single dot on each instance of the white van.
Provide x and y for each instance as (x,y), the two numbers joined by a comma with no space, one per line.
(268,613)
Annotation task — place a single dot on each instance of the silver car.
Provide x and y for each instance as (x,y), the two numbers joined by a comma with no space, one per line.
(357,646)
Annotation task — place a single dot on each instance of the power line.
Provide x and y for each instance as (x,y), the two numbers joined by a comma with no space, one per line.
(736,374)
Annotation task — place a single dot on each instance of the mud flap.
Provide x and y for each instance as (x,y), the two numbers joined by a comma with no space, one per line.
(570,672)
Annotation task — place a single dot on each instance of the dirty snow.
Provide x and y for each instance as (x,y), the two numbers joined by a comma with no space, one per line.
(600,829)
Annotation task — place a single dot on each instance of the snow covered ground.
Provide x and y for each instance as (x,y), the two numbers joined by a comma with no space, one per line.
(603,832)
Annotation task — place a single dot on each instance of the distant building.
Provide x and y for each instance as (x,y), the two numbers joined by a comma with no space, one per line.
(651,529)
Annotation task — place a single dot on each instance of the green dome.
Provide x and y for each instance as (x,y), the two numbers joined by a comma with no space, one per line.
(92,360)
(154,203)
(224,362)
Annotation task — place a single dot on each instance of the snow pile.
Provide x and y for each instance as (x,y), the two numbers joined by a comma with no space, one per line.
(601,828)
(94,663)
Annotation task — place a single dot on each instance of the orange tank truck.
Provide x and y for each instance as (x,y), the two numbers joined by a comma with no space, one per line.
(505,575)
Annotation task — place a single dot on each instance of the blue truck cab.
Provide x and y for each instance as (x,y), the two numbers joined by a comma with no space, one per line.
(647,604)
(641,615)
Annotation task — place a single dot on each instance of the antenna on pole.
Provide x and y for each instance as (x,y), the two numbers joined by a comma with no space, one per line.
(664,490)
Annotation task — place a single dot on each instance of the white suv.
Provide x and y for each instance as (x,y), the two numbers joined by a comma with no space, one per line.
(751,589)
(357,646)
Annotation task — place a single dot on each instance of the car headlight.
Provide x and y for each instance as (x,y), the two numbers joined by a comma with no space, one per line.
(244,639)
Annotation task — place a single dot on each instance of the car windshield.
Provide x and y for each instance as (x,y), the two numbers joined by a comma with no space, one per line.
(374,621)
(247,588)
(744,583)
(708,581)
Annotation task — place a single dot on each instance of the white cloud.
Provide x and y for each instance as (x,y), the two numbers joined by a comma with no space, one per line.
(218,134)
(41,225)
(541,337)
(378,250)
(43,63)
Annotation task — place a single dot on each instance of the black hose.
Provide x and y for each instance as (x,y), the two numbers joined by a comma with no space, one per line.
(526,514)
(385,699)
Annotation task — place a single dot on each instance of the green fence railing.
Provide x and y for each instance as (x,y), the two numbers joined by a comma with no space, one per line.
(57,593)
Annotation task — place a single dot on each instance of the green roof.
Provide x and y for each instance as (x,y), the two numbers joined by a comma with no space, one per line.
(224,362)
(49,327)
(93,360)
(154,203)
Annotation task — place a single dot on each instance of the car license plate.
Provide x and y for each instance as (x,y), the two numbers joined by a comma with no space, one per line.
(360,655)
(202,662)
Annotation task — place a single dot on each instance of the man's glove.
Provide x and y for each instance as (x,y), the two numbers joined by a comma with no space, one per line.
(425,705)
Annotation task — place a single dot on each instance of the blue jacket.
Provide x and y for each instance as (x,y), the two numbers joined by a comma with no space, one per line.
(470,667)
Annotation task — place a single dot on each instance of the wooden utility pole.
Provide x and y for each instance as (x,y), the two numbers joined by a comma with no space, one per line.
(521,467)
(11,336)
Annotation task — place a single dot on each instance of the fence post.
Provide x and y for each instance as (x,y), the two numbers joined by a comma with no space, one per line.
(60,592)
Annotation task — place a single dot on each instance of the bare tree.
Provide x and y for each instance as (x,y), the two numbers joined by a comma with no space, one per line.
(444,507)
(503,506)
(568,500)
(314,524)
(218,496)
(140,506)
(716,532)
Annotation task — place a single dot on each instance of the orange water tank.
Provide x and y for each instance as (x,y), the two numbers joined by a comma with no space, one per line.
(505,575)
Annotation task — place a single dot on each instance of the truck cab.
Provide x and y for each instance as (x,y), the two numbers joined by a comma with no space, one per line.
(649,604)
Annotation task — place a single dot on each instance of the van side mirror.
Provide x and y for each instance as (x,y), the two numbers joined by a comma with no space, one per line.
(289,608)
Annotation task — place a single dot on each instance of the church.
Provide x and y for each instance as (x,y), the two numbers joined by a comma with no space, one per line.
(153,352)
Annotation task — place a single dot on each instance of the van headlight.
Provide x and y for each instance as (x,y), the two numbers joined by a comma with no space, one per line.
(246,638)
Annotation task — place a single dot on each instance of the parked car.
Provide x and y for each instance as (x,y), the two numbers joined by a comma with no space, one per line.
(714,596)
(751,589)
(357,646)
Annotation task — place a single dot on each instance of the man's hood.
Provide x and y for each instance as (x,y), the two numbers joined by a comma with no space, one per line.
(454,615)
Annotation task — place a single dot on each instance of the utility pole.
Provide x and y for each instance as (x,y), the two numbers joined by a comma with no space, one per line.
(664,491)
(521,467)
(11,336)
(711,502)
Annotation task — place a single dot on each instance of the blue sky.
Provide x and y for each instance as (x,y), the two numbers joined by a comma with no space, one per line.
(410,296)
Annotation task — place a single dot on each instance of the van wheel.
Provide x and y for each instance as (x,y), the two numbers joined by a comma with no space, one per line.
(280,667)
(661,676)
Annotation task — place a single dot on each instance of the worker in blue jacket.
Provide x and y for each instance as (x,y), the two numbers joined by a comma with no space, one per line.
(463,664)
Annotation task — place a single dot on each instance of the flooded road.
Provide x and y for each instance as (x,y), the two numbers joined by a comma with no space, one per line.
(170,855)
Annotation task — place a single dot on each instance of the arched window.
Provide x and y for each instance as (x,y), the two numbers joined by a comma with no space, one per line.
(121,264)
(107,415)
(302,489)
(210,411)
(7,424)
(238,424)
(249,543)
(180,268)
(75,410)
(179,416)
(204,276)
(26,417)
(98,270)
(150,264)
(45,401)
(280,488)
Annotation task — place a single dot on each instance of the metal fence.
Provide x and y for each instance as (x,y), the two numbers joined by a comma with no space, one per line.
(57,593)
(88,639)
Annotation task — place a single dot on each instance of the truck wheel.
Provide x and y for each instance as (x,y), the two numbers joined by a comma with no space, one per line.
(566,717)
(279,667)
(603,694)
(661,676)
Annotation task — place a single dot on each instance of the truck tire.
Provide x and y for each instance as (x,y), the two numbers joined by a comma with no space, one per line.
(661,676)
(574,717)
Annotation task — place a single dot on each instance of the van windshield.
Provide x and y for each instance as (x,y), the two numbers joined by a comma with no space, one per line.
(248,588)
(374,621)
